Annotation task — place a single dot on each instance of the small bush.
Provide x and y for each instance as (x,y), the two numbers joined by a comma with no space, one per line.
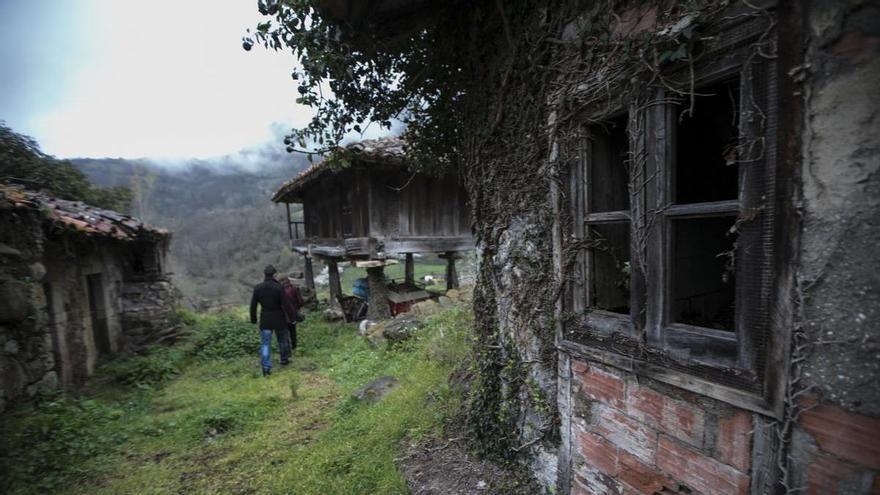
(158,365)
(59,436)
(228,336)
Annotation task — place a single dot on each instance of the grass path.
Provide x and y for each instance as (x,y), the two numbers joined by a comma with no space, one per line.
(219,427)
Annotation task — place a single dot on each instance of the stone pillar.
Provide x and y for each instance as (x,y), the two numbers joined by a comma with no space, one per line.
(409,269)
(451,272)
(335,286)
(309,273)
(378,301)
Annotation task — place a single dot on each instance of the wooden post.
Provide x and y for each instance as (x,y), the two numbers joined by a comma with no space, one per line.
(335,286)
(378,301)
(451,273)
(308,273)
(409,269)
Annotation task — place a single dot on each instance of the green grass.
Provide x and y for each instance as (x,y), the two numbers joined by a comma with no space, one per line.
(199,418)
(420,269)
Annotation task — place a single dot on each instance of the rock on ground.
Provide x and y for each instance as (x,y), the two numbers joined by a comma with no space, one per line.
(401,328)
(377,389)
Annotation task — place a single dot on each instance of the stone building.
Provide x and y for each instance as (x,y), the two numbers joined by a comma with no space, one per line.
(76,283)
(705,178)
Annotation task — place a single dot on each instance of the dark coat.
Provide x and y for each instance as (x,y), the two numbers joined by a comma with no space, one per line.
(270,297)
(292,301)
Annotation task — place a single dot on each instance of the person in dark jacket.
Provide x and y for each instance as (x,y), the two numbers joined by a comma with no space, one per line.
(293,301)
(270,297)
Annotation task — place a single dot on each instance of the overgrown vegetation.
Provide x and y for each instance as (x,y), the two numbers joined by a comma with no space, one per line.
(199,418)
(502,91)
(22,161)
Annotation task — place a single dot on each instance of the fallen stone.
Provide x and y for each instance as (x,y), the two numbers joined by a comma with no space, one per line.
(402,327)
(376,390)
(333,314)
(425,308)
(445,302)
(454,294)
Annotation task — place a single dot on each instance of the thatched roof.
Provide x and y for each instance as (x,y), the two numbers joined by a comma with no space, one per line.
(383,151)
(78,217)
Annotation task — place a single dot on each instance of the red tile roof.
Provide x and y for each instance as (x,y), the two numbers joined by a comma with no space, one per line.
(77,216)
(384,151)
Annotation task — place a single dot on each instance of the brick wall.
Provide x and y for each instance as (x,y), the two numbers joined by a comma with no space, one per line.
(836,451)
(629,436)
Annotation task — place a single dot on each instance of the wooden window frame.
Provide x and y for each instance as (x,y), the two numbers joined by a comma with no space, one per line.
(650,308)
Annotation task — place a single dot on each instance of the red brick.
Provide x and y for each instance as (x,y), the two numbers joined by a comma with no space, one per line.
(626,433)
(598,453)
(847,435)
(599,385)
(640,478)
(594,483)
(825,474)
(699,471)
(670,416)
(733,441)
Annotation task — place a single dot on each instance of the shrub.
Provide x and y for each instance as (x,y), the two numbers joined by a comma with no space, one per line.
(158,365)
(228,336)
(60,435)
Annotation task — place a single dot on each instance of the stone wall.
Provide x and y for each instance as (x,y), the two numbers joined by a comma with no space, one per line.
(835,447)
(148,314)
(26,359)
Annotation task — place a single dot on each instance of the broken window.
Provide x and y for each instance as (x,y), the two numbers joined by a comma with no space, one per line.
(675,219)
(606,223)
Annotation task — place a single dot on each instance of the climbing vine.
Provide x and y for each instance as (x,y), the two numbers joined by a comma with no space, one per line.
(498,91)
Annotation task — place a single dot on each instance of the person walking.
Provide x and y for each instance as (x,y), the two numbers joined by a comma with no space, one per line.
(270,296)
(293,301)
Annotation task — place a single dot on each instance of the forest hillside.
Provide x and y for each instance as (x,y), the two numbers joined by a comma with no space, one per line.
(225,227)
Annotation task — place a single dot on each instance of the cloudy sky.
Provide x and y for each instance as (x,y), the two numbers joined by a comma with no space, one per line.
(141,78)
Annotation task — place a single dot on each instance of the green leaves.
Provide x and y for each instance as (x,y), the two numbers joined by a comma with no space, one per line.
(21,160)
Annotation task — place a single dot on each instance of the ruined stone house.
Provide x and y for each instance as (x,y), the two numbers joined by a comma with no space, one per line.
(76,283)
(688,300)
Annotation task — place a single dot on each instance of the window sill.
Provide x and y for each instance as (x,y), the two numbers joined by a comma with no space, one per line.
(744,399)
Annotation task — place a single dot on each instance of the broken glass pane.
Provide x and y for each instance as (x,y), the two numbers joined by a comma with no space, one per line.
(706,146)
(610,267)
(609,188)
(703,272)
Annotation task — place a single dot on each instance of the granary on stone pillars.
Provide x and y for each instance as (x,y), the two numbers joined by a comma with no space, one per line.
(76,283)
(370,209)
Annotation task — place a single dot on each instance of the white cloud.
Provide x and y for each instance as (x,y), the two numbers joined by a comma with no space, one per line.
(168,78)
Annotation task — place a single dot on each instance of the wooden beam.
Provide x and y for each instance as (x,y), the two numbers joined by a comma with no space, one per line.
(373,263)
(438,244)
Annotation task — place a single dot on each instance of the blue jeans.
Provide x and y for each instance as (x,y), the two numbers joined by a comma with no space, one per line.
(266,349)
